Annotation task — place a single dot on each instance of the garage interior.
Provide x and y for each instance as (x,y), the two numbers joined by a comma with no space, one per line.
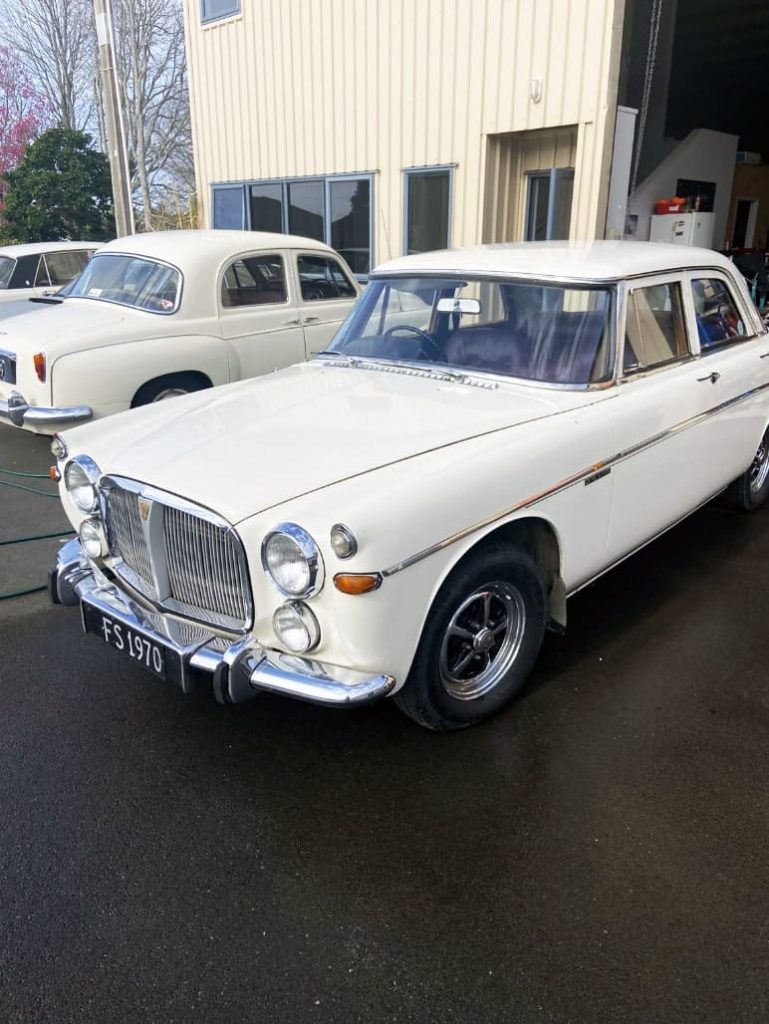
(697,72)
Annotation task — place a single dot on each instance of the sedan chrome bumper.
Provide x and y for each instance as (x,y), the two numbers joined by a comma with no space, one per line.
(238,669)
(17,410)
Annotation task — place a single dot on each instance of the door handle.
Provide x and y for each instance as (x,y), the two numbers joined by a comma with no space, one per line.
(764,355)
(712,377)
(292,323)
(311,319)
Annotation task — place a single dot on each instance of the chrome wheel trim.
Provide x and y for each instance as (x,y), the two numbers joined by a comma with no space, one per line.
(482,640)
(759,469)
(167,393)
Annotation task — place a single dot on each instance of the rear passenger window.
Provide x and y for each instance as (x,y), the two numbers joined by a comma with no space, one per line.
(718,321)
(656,330)
(254,281)
(322,277)
(41,277)
(63,267)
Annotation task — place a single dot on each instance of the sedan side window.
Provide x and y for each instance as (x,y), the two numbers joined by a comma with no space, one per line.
(718,320)
(656,329)
(41,277)
(322,277)
(254,281)
(63,267)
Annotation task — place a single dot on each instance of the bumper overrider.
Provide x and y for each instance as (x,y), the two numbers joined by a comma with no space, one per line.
(238,669)
(17,410)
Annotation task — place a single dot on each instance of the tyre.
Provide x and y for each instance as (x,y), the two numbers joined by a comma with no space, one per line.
(480,641)
(170,386)
(750,491)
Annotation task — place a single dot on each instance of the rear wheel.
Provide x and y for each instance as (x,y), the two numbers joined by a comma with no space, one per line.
(480,641)
(170,386)
(750,491)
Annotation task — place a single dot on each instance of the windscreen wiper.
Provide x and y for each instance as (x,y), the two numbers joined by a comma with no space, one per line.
(46,300)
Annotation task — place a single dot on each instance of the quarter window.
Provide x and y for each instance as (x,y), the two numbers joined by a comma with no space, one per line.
(718,320)
(254,281)
(656,330)
(322,277)
(427,209)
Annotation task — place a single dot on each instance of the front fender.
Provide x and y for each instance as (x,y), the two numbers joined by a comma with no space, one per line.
(107,378)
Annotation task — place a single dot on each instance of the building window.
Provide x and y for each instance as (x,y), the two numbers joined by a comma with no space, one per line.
(548,204)
(336,210)
(428,209)
(229,207)
(214,10)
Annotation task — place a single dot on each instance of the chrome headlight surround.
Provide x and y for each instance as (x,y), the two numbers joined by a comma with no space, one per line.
(299,543)
(81,474)
(93,538)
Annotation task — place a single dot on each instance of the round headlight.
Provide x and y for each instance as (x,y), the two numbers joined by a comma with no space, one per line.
(292,560)
(58,448)
(80,479)
(92,538)
(343,541)
(296,627)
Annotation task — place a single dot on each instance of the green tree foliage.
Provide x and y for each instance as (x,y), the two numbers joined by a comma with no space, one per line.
(61,189)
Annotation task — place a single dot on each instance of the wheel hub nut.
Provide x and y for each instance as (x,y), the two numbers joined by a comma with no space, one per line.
(483,640)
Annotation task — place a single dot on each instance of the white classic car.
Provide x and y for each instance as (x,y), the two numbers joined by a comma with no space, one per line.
(491,430)
(158,315)
(38,269)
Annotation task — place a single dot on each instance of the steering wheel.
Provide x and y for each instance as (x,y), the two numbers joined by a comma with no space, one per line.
(431,353)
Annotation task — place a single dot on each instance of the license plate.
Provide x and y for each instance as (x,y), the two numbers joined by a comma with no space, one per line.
(139,648)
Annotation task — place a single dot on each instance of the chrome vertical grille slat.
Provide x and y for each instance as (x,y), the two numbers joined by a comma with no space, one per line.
(202,562)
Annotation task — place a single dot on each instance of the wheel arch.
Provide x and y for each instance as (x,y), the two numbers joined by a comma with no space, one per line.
(169,378)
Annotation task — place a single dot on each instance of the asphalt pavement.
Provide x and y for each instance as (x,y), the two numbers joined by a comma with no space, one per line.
(596,853)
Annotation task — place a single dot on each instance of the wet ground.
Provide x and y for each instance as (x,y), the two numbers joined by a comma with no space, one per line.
(596,853)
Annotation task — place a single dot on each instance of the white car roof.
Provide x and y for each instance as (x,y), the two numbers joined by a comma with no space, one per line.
(33,248)
(579,261)
(186,248)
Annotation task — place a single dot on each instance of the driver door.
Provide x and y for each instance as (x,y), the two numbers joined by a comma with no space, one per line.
(326,295)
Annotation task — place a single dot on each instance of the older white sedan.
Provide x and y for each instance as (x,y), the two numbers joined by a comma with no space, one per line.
(491,430)
(33,270)
(158,315)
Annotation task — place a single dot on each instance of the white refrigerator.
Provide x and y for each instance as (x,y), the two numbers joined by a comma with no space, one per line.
(683,229)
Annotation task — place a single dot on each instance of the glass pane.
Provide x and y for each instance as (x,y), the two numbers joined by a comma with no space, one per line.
(64,266)
(428,211)
(129,281)
(6,269)
(351,222)
(546,333)
(536,215)
(266,202)
(212,9)
(718,320)
(305,209)
(564,190)
(41,277)
(228,208)
(254,281)
(321,277)
(655,332)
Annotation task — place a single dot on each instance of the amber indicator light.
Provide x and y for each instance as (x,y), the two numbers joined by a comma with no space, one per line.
(357,582)
(39,360)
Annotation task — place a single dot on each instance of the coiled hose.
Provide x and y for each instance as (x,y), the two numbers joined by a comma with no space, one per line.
(34,537)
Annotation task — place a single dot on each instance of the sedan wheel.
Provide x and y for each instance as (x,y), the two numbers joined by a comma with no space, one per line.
(480,641)
(759,469)
(751,490)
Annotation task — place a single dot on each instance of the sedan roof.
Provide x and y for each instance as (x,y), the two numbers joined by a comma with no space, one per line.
(34,248)
(186,248)
(576,261)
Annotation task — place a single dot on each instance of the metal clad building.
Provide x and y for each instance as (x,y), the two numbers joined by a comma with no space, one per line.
(386,126)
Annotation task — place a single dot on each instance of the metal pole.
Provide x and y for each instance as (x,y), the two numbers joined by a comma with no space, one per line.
(113,118)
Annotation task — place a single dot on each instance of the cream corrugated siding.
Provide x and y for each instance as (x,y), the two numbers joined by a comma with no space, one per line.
(302,87)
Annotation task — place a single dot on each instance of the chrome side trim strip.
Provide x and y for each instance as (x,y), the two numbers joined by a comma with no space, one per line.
(569,481)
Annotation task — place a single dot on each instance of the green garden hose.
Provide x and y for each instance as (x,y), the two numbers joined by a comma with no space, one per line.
(30,490)
(29,476)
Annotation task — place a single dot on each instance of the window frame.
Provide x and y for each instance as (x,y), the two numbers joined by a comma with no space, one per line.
(325,179)
(212,19)
(718,275)
(282,254)
(638,284)
(554,176)
(427,171)
(300,299)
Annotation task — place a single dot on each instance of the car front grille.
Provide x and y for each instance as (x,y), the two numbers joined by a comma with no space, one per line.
(181,557)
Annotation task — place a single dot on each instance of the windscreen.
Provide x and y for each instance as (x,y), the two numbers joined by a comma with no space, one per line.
(129,281)
(548,333)
(6,269)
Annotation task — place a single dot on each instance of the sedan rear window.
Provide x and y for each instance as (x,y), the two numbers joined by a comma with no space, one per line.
(6,269)
(129,281)
(514,328)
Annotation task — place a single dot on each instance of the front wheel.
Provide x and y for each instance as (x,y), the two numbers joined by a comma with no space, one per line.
(750,491)
(480,641)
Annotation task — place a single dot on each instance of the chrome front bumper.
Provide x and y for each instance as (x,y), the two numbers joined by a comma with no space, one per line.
(17,410)
(239,670)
